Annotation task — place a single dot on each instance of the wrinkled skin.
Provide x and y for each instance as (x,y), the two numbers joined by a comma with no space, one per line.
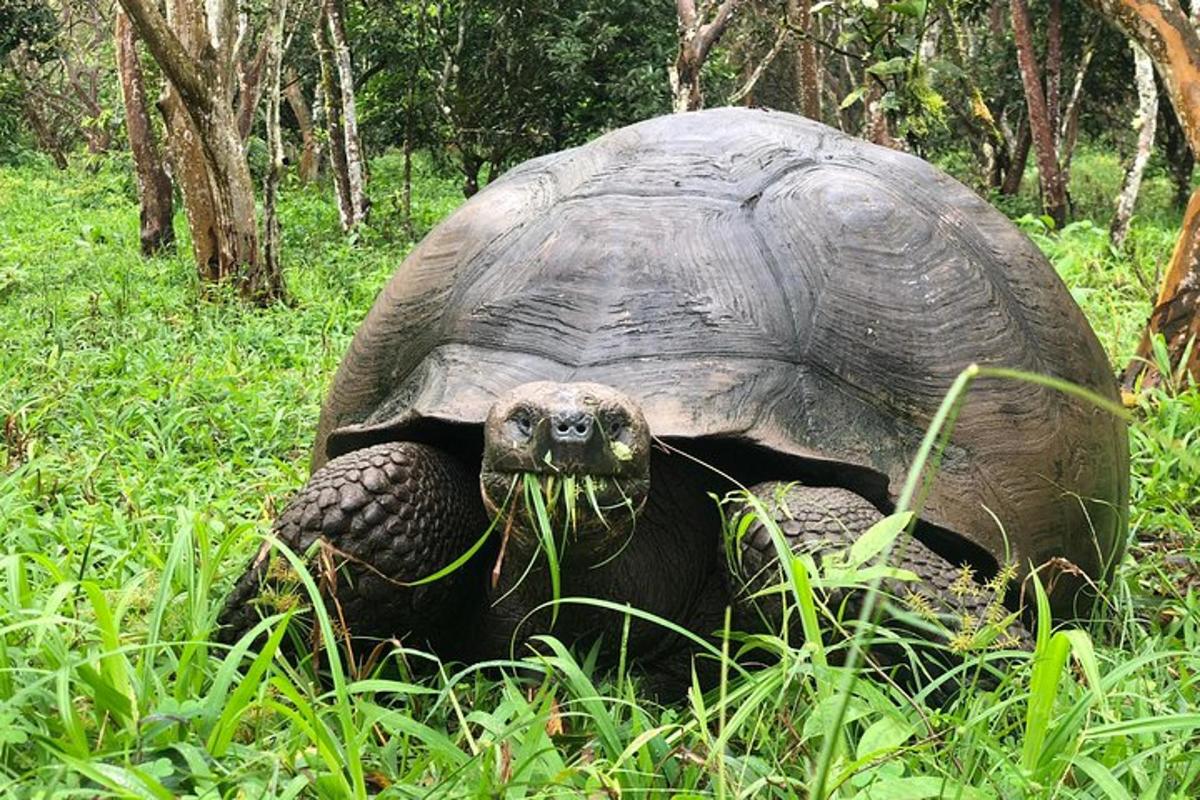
(393,513)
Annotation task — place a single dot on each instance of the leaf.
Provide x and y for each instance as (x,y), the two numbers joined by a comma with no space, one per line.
(883,736)
(621,451)
(853,97)
(1048,664)
(918,788)
(893,66)
(909,8)
(879,537)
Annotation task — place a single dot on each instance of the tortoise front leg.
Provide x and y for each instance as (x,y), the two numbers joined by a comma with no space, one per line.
(944,605)
(388,515)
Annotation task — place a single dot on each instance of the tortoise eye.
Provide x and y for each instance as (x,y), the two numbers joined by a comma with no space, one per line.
(616,425)
(521,423)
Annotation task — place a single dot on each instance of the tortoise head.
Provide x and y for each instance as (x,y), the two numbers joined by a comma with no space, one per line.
(585,447)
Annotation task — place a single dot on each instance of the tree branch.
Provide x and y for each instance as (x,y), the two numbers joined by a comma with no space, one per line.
(185,72)
(710,34)
(752,81)
(687,13)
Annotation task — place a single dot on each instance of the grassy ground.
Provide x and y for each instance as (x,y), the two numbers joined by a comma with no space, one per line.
(149,437)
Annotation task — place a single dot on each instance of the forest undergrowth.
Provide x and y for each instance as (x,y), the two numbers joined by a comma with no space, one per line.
(149,436)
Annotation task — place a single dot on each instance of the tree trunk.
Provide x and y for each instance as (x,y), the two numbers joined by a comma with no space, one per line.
(47,142)
(876,127)
(194,47)
(1069,129)
(685,81)
(1053,67)
(333,127)
(1147,116)
(1168,37)
(250,73)
(1017,160)
(1054,195)
(696,39)
(191,174)
(471,165)
(1180,160)
(95,131)
(356,173)
(752,75)
(406,191)
(271,275)
(154,187)
(310,154)
(804,60)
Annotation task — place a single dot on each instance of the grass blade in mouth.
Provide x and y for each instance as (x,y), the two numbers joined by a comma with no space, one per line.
(591,486)
(537,498)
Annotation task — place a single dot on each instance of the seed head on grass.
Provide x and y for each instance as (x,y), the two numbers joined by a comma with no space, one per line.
(964,584)
(920,605)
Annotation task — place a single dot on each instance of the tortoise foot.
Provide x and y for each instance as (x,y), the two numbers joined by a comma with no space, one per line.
(940,611)
(385,516)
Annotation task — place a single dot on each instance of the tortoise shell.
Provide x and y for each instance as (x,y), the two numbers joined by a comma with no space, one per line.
(756,277)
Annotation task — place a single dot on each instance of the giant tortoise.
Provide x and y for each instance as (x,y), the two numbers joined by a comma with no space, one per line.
(698,302)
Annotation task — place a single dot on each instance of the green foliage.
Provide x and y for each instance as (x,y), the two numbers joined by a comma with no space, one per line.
(149,437)
(27,23)
(524,79)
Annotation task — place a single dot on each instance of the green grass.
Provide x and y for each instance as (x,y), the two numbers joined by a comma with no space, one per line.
(149,437)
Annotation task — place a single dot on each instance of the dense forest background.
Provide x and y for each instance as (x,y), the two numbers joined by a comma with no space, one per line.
(216,105)
(198,204)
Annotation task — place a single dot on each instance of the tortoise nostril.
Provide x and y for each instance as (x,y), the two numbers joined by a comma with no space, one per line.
(572,427)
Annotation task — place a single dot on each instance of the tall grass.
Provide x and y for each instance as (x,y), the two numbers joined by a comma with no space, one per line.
(149,437)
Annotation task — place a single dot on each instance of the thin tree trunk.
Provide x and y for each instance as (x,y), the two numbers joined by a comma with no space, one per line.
(356,173)
(1054,67)
(1018,158)
(406,192)
(154,187)
(696,39)
(1054,196)
(310,154)
(986,137)
(1169,38)
(804,60)
(188,168)
(250,74)
(94,131)
(746,92)
(1069,130)
(330,94)
(876,127)
(47,142)
(1147,116)
(1180,160)
(271,275)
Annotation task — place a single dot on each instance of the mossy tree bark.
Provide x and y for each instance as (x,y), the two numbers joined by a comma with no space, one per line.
(1164,31)
(336,55)
(194,45)
(1147,117)
(154,187)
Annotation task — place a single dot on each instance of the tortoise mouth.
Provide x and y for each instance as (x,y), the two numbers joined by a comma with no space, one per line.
(571,506)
